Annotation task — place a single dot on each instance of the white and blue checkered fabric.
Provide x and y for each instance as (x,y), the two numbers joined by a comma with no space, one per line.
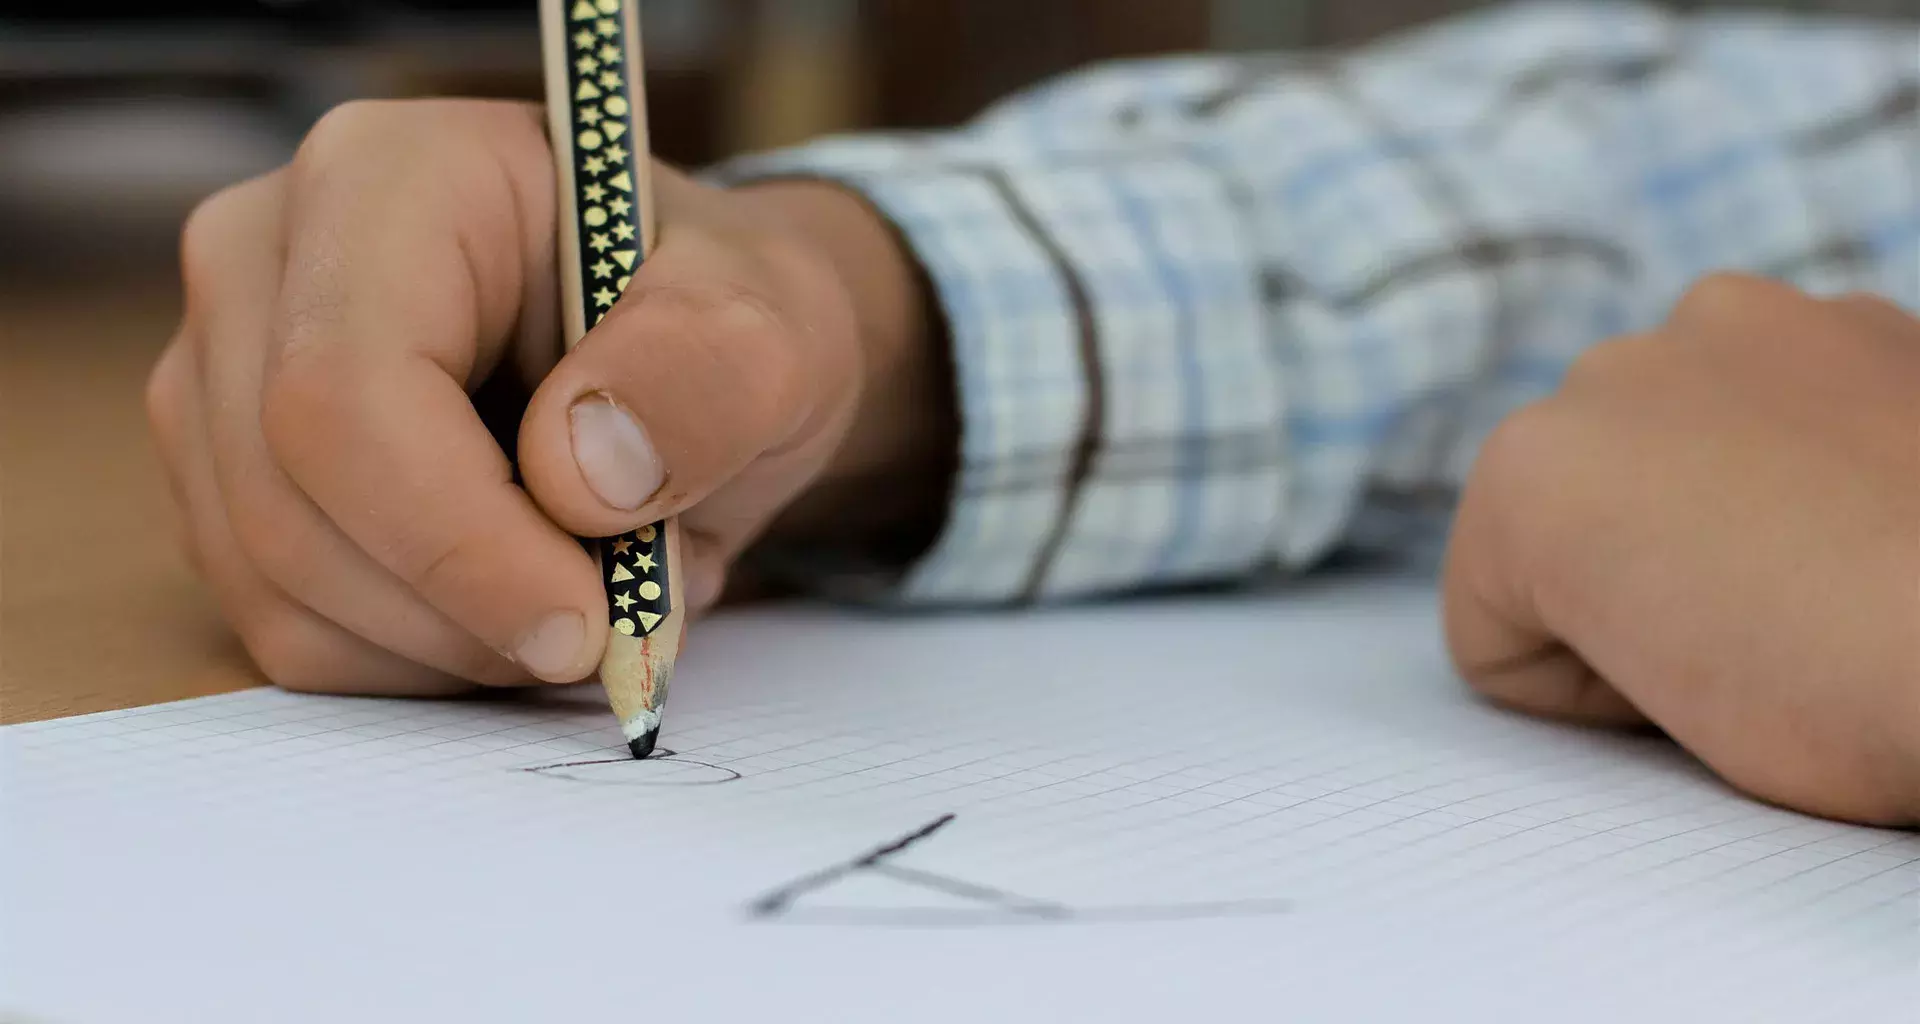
(1214,315)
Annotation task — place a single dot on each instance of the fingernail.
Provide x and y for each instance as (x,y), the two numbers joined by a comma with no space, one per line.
(551,648)
(613,453)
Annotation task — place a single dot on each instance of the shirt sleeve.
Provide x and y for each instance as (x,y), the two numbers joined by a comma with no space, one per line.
(1214,315)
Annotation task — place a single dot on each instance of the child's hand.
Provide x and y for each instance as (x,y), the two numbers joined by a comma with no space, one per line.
(358,522)
(1717,527)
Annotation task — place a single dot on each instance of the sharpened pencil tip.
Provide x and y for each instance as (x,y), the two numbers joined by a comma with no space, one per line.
(643,745)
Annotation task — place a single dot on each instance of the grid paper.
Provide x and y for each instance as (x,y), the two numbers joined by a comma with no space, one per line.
(1129,812)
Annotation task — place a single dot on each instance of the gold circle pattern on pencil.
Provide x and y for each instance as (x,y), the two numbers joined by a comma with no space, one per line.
(634,564)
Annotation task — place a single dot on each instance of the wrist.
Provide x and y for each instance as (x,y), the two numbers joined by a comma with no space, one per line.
(887,483)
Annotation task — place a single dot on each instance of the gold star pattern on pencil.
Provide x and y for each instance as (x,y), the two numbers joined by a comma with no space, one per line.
(637,581)
(605,189)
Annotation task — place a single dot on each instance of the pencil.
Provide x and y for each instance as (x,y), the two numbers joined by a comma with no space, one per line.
(596,112)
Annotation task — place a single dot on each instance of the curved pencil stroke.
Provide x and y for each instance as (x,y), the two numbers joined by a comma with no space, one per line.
(625,771)
(989,917)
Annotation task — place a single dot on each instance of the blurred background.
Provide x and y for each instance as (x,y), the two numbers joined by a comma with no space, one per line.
(116,117)
(113,117)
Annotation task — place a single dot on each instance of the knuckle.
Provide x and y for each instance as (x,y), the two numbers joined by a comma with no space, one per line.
(346,130)
(751,336)
(203,238)
(1607,361)
(166,396)
(1517,448)
(785,256)
(189,547)
(258,529)
(443,564)
(744,333)
(289,651)
(1515,497)
(723,307)
(1727,298)
(827,335)
(304,388)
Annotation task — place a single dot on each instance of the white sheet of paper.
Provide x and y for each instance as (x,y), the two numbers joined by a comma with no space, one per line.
(1237,808)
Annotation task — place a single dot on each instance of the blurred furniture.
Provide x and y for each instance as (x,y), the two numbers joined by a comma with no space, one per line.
(937,63)
(98,609)
(723,75)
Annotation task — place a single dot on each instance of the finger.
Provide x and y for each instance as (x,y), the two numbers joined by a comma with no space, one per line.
(707,558)
(1732,303)
(413,240)
(292,646)
(1514,661)
(232,253)
(1499,636)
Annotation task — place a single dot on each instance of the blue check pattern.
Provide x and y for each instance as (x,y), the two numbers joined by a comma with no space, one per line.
(1217,315)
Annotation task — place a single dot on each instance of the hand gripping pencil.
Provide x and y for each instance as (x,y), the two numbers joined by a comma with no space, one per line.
(596,109)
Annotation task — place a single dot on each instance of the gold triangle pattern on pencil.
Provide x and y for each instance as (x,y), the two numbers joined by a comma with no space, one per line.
(633,565)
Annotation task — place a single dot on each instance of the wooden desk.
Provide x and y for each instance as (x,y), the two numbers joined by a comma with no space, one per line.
(98,609)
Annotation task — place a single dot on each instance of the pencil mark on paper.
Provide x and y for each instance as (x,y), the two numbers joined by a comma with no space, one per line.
(989,905)
(663,767)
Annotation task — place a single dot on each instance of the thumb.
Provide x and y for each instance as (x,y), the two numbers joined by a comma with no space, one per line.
(1500,637)
(689,378)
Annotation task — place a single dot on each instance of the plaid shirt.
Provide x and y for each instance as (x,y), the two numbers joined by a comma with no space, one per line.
(1216,314)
